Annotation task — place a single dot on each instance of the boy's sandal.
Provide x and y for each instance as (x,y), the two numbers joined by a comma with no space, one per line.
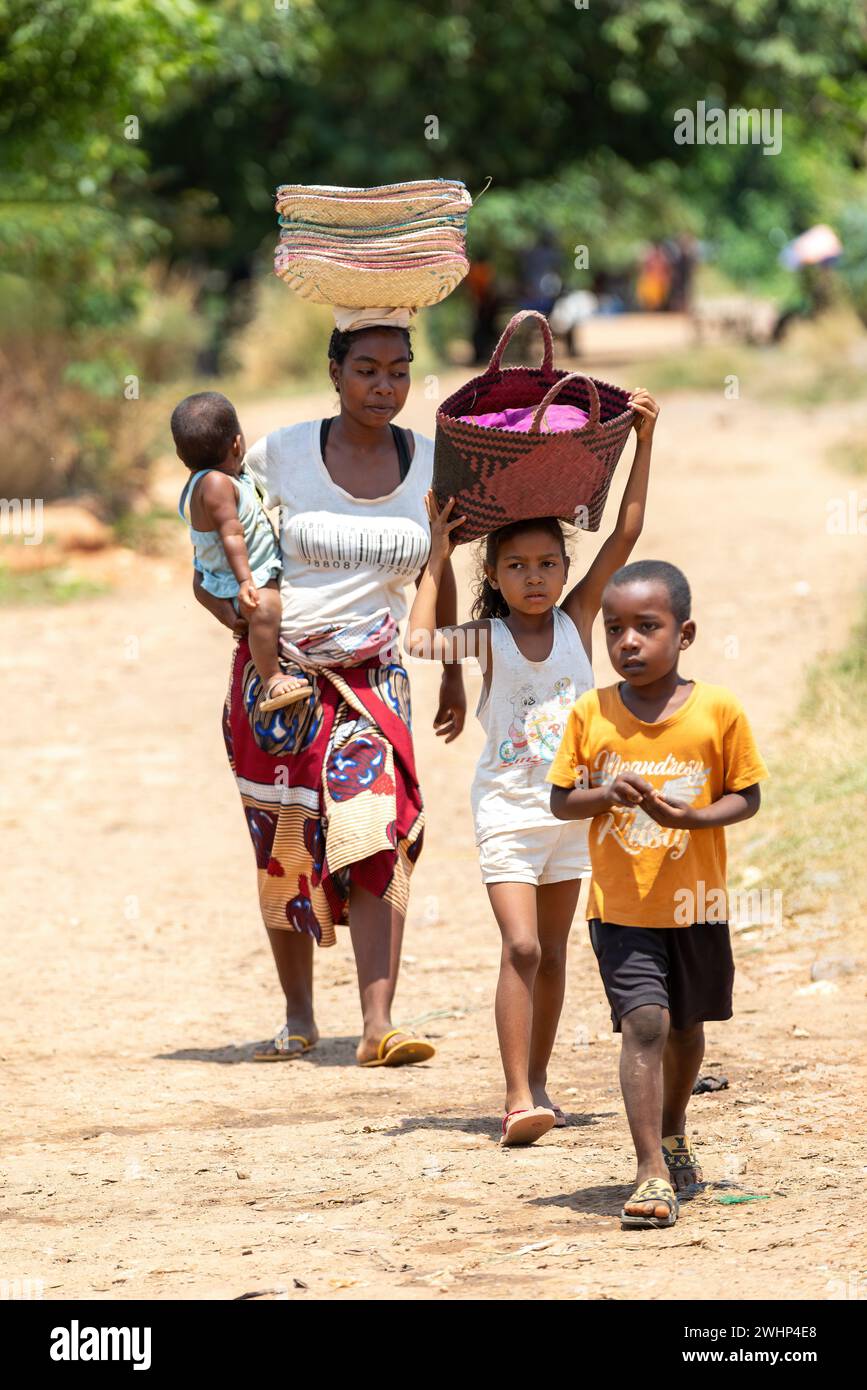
(653,1190)
(560,1120)
(526,1126)
(679,1154)
(282,1051)
(288,697)
(402,1053)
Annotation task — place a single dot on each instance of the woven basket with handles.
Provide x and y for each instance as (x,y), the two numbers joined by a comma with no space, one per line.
(497,476)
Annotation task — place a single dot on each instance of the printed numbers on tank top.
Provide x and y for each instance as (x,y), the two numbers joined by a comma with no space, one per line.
(390,546)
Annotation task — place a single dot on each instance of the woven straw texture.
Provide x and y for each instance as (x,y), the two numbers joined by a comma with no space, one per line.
(359,207)
(497,476)
(328,282)
(401,245)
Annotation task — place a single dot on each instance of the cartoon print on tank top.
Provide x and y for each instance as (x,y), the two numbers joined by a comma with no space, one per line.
(537,725)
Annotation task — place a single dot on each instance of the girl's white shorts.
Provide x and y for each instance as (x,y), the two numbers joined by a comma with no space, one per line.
(540,854)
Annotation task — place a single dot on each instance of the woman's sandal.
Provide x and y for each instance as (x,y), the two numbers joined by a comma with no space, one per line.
(282,1051)
(287,697)
(408,1051)
(653,1190)
(679,1154)
(526,1126)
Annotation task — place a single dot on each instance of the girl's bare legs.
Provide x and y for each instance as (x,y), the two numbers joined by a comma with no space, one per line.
(376,930)
(514,906)
(293,956)
(556,904)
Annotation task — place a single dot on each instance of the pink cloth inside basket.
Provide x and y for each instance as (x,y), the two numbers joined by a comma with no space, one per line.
(520,417)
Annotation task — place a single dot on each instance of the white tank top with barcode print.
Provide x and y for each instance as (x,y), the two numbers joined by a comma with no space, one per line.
(524,716)
(344,557)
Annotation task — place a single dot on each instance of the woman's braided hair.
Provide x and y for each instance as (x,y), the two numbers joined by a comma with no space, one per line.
(341,342)
(489,602)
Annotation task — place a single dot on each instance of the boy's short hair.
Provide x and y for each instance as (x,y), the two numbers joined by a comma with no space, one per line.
(203,427)
(660,571)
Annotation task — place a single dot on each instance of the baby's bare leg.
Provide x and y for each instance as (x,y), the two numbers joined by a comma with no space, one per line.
(264,635)
(264,632)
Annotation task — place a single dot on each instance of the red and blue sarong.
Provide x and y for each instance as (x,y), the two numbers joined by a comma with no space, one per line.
(328,784)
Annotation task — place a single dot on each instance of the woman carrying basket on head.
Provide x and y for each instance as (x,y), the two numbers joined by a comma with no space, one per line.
(328,783)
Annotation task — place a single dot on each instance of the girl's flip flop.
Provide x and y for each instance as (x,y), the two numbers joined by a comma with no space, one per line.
(408,1051)
(526,1126)
(282,1051)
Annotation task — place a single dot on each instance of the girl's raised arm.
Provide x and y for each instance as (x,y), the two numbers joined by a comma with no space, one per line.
(582,603)
(423,638)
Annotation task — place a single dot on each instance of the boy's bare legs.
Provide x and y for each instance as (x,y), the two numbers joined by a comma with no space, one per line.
(555,907)
(293,956)
(514,907)
(376,929)
(263,634)
(645,1034)
(681,1061)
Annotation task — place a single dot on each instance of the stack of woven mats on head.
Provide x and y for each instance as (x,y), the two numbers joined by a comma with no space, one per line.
(396,244)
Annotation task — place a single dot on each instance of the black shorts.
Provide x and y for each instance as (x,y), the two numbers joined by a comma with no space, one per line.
(687,970)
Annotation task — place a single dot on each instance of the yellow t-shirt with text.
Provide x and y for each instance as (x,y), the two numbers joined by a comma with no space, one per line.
(695,755)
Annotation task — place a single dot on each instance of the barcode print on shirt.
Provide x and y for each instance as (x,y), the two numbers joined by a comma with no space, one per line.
(390,546)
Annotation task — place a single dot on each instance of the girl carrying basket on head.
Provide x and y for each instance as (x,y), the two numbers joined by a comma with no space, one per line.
(535,657)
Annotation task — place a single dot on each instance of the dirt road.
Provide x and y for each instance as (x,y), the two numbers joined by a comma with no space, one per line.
(146,1157)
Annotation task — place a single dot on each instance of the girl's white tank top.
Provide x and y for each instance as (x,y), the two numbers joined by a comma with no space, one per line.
(524,716)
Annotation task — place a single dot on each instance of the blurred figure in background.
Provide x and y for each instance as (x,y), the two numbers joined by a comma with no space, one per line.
(654,279)
(813,256)
(541,273)
(567,315)
(481,282)
(682,252)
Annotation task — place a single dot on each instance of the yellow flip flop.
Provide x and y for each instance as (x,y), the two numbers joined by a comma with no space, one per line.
(679,1154)
(653,1190)
(282,1051)
(412,1050)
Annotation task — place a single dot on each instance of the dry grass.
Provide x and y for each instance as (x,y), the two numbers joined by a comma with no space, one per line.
(813,840)
(85,413)
(819,361)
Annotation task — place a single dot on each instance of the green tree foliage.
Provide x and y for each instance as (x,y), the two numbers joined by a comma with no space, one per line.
(75,77)
(236,96)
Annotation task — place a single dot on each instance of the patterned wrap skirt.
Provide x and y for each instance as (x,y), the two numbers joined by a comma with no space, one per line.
(328,784)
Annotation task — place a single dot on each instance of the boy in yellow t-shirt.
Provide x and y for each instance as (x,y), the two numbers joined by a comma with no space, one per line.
(661,764)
